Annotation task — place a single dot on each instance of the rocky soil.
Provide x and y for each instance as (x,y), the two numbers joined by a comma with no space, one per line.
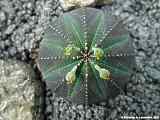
(20,92)
(21,29)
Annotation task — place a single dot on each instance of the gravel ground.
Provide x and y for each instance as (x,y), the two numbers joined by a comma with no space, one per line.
(21,29)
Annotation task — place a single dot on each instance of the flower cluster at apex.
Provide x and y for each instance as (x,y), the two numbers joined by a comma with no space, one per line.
(96,53)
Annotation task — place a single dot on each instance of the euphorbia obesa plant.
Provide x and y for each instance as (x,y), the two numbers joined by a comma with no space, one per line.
(86,56)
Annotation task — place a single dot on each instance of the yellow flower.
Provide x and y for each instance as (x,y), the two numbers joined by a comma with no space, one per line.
(103,73)
(71,76)
(98,53)
(70,49)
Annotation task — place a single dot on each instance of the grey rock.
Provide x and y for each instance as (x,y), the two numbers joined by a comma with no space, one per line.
(67,4)
(153,73)
(88,114)
(12,51)
(17,90)
(10,29)
(7,42)
(49,108)
(113,114)
(2,16)
(2,44)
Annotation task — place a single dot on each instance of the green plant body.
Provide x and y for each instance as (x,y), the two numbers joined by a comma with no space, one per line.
(86,56)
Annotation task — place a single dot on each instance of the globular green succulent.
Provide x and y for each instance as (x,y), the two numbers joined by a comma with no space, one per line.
(86,56)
